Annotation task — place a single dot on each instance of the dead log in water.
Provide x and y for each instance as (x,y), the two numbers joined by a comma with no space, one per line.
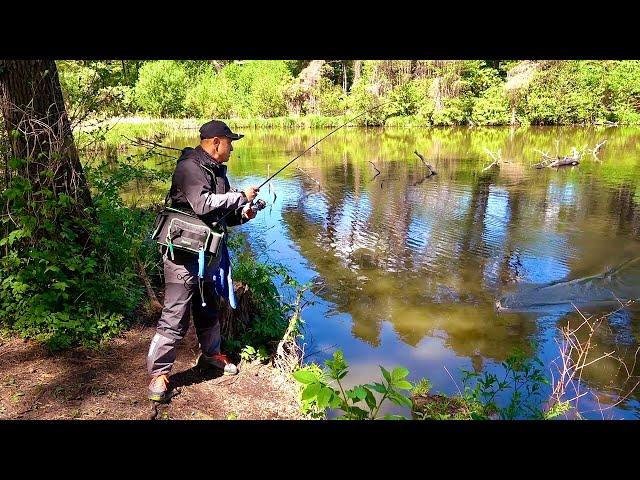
(555,162)
(429,167)
(496,157)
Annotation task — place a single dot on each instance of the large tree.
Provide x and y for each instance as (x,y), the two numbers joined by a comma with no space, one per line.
(38,128)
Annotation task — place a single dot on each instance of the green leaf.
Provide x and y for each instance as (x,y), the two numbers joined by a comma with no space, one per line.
(400,400)
(305,376)
(335,401)
(360,392)
(359,413)
(16,162)
(371,400)
(60,285)
(311,391)
(324,397)
(403,384)
(399,373)
(388,416)
(378,387)
(385,374)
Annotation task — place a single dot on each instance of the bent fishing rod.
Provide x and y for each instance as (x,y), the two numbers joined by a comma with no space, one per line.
(261,204)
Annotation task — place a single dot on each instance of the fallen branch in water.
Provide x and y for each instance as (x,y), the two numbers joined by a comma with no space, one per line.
(376,168)
(554,162)
(429,167)
(594,151)
(567,160)
(497,158)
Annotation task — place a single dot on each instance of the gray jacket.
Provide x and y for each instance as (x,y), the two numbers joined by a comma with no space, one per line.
(200,185)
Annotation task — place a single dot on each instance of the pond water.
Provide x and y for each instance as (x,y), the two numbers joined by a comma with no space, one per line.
(407,268)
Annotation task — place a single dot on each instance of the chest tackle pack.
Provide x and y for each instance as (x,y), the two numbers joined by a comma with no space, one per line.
(183,231)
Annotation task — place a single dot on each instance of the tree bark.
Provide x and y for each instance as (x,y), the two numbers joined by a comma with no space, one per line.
(38,127)
(357,71)
(344,76)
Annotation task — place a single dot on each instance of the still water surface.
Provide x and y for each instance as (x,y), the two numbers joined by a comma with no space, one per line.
(407,269)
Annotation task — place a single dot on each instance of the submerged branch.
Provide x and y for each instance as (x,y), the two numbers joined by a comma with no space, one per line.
(496,157)
(429,167)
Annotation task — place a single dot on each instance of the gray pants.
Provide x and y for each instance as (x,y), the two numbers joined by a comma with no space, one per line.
(181,287)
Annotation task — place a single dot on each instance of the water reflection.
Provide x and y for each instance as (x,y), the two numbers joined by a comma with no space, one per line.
(429,256)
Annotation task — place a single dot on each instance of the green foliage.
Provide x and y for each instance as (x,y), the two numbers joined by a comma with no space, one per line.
(519,388)
(522,381)
(567,93)
(331,99)
(623,91)
(441,93)
(262,85)
(405,100)
(250,354)
(200,99)
(360,99)
(357,403)
(57,289)
(422,387)
(272,313)
(455,112)
(491,108)
(93,87)
(161,88)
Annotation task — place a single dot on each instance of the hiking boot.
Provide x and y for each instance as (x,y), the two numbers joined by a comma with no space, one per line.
(220,361)
(158,388)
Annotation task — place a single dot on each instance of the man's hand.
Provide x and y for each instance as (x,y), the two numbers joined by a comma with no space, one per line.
(248,212)
(251,193)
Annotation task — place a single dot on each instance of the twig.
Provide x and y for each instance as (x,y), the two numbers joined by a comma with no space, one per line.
(142,142)
(319,351)
(454,381)
(147,284)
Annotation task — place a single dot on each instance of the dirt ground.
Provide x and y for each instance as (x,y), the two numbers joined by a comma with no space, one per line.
(112,384)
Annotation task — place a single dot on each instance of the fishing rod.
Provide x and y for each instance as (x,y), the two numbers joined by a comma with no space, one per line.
(326,136)
(260,204)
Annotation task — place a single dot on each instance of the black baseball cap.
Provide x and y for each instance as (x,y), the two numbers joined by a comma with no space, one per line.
(217,128)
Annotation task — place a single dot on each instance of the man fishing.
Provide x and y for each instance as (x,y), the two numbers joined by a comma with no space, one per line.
(199,186)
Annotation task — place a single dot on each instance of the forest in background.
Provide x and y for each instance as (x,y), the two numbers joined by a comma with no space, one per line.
(416,92)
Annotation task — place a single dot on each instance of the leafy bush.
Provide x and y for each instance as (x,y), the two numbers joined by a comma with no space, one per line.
(567,93)
(318,393)
(455,112)
(200,99)
(93,88)
(56,289)
(491,108)
(361,99)
(271,319)
(623,91)
(161,88)
(330,98)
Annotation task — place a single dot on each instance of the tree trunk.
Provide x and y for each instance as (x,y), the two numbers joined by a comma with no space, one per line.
(357,71)
(38,127)
(344,76)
